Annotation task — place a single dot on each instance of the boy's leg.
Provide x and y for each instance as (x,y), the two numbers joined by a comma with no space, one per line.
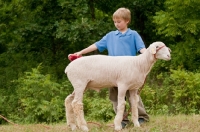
(141,110)
(113,92)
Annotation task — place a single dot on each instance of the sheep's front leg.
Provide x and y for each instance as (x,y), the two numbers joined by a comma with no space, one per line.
(120,108)
(134,99)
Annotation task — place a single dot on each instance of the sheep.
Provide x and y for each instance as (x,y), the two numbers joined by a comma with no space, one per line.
(101,71)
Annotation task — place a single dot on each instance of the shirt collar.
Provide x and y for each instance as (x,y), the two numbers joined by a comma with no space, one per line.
(126,33)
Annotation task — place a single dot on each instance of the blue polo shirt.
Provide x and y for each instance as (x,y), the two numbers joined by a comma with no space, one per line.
(118,44)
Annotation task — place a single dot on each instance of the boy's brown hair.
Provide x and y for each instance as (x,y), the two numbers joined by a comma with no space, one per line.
(123,13)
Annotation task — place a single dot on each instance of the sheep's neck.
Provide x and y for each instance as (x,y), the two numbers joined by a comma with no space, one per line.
(148,61)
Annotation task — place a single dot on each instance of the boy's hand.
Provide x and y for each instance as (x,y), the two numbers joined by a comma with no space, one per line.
(72,57)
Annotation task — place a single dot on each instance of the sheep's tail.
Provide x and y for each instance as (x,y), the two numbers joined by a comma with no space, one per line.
(71,57)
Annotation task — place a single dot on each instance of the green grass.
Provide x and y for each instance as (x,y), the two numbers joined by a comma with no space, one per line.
(179,123)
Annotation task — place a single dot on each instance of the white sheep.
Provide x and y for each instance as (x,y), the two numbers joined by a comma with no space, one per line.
(100,71)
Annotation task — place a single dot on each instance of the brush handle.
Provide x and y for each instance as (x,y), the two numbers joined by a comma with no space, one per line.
(72,57)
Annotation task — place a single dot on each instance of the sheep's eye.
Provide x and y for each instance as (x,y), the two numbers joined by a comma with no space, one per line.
(157,47)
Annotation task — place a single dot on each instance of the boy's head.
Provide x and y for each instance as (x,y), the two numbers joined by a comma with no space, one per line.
(122,13)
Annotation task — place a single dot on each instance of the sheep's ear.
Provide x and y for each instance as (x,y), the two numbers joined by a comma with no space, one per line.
(169,50)
(152,49)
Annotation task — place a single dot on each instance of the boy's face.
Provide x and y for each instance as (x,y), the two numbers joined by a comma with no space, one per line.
(120,24)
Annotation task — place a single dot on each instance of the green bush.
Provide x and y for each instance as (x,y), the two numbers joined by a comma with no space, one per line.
(97,106)
(40,99)
(186,91)
(174,93)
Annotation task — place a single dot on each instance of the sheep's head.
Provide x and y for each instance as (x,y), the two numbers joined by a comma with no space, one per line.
(160,51)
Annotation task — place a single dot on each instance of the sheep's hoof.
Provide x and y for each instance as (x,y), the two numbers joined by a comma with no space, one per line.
(73,127)
(118,128)
(118,131)
(137,124)
(84,128)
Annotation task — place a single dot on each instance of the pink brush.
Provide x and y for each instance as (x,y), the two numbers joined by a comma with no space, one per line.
(72,57)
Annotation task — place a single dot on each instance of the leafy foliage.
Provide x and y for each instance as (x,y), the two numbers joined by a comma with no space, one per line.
(178,93)
(180,21)
(97,107)
(40,99)
(186,91)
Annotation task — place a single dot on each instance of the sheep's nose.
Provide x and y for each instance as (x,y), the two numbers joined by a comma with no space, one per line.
(169,56)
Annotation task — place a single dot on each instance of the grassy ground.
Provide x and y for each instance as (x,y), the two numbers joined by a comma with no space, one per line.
(179,123)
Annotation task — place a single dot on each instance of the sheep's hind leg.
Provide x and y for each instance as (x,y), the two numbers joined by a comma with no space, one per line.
(134,99)
(78,109)
(69,112)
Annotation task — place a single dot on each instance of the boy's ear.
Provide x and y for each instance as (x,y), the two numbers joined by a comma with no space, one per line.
(127,21)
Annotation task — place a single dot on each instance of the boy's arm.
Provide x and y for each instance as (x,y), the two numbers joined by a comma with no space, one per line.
(142,50)
(91,48)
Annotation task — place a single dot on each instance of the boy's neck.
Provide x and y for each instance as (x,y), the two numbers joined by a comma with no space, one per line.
(124,30)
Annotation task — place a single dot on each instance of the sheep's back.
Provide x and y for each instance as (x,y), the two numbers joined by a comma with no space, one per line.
(103,71)
(101,63)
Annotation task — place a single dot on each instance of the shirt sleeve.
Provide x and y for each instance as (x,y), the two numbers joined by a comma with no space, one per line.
(138,42)
(102,44)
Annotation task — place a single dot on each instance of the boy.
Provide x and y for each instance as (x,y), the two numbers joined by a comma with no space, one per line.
(122,42)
